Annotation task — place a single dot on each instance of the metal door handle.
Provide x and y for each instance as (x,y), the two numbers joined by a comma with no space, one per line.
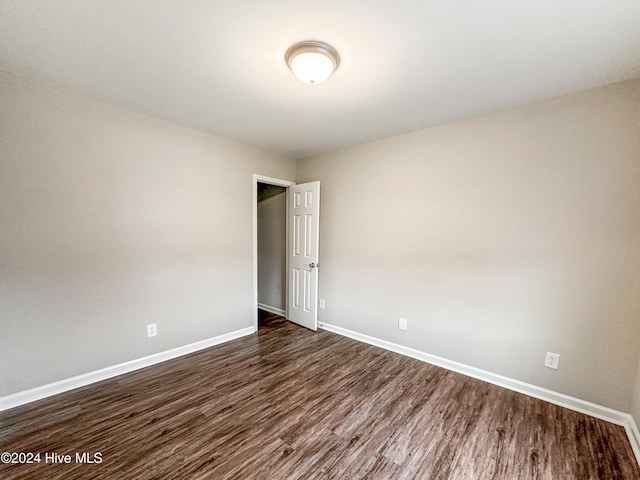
(313,265)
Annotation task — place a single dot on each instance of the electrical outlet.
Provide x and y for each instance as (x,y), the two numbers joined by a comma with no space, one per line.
(152,330)
(322,303)
(552,360)
(402,323)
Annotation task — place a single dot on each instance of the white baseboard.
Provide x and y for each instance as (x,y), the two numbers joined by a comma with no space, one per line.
(572,403)
(634,437)
(270,309)
(38,393)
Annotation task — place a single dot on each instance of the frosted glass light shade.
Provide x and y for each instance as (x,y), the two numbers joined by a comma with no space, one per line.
(312,67)
(312,62)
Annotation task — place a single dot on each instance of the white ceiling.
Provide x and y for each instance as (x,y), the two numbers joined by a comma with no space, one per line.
(218,65)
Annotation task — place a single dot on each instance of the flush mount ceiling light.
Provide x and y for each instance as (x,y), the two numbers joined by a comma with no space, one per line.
(312,61)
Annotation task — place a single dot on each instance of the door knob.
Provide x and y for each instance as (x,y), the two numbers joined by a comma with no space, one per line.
(313,265)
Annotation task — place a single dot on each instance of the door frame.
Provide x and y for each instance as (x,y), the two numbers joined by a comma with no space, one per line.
(255,179)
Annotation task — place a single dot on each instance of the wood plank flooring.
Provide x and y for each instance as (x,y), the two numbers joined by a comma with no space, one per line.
(288,403)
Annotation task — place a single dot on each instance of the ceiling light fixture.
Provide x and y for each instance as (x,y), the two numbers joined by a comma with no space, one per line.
(312,61)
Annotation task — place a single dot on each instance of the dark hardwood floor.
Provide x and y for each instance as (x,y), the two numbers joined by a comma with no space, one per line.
(288,403)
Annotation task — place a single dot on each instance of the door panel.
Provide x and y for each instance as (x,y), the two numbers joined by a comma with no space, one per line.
(304,217)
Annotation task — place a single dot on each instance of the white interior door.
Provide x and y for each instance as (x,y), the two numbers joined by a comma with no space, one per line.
(304,223)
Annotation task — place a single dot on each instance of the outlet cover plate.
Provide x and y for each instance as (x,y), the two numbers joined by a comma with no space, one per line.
(402,323)
(152,330)
(552,360)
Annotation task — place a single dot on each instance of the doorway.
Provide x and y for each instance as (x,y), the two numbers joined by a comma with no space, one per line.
(272,252)
(270,229)
(301,233)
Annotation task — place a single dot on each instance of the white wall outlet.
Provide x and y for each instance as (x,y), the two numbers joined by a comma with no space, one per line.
(552,360)
(321,303)
(402,323)
(152,330)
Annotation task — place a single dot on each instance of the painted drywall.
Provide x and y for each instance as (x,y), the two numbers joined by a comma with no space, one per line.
(111,220)
(272,248)
(635,402)
(499,238)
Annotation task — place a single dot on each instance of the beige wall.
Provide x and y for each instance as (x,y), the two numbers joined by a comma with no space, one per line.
(272,251)
(635,403)
(499,238)
(111,220)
